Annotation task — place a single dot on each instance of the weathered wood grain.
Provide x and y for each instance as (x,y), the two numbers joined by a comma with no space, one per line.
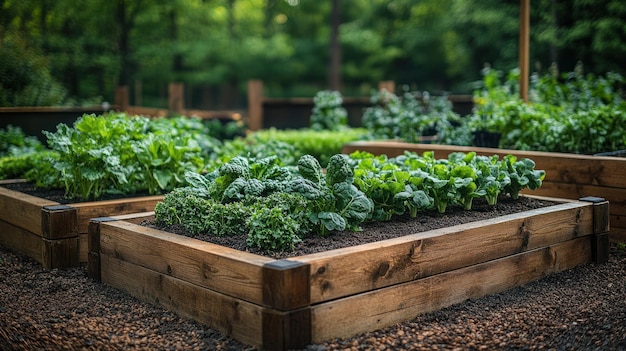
(21,240)
(22,210)
(110,208)
(387,306)
(352,270)
(229,271)
(229,315)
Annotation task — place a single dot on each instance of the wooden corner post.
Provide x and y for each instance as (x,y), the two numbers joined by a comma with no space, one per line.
(600,239)
(59,225)
(255,105)
(93,247)
(286,294)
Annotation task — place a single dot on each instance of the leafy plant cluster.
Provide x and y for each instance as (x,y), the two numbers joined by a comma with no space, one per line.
(411,183)
(116,153)
(291,144)
(275,205)
(328,112)
(13,141)
(19,152)
(570,112)
(410,116)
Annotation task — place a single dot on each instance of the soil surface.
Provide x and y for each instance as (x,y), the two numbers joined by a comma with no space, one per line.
(59,196)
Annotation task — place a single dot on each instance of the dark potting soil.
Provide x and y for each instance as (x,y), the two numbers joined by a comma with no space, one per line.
(59,196)
(376,231)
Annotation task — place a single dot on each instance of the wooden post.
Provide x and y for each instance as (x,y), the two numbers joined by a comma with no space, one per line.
(286,294)
(255,105)
(600,239)
(524,48)
(93,247)
(176,97)
(388,85)
(121,97)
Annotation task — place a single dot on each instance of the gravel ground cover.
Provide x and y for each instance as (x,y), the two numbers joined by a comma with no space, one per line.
(579,309)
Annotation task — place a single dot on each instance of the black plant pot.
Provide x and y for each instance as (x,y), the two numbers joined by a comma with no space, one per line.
(483,138)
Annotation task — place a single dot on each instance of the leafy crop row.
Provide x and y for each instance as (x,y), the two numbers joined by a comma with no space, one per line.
(276,205)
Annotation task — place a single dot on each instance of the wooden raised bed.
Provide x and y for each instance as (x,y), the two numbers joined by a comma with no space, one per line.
(569,176)
(286,304)
(53,234)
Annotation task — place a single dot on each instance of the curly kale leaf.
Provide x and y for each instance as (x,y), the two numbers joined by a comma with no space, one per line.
(310,169)
(339,170)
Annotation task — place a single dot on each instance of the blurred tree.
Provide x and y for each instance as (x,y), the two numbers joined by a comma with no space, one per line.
(215,46)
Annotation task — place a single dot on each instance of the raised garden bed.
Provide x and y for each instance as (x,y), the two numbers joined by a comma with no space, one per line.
(52,233)
(569,176)
(289,303)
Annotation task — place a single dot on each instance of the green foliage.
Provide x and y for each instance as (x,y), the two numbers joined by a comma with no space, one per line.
(218,45)
(25,78)
(281,206)
(328,112)
(410,116)
(14,142)
(320,144)
(115,153)
(334,202)
(569,112)
(277,206)
(413,183)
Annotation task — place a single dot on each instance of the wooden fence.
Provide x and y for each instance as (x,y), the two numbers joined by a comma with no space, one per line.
(293,113)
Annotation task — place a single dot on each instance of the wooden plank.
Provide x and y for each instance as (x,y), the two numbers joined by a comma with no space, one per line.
(352,270)
(387,306)
(21,240)
(22,210)
(229,315)
(223,269)
(562,167)
(110,208)
(617,235)
(616,196)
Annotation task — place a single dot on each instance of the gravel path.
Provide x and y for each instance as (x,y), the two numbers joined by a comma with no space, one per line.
(579,309)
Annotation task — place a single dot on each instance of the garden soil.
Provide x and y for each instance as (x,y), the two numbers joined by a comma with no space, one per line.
(579,309)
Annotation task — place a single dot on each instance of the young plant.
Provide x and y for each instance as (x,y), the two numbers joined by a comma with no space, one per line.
(522,174)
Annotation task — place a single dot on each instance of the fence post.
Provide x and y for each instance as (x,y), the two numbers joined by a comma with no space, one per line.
(121,97)
(388,85)
(176,98)
(255,105)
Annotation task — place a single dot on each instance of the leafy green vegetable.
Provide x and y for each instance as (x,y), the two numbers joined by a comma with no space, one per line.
(328,113)
(115,153)
(523,175)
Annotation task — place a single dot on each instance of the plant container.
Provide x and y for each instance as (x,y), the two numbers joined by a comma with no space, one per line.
(52,233)
(289,303)
(569,176)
